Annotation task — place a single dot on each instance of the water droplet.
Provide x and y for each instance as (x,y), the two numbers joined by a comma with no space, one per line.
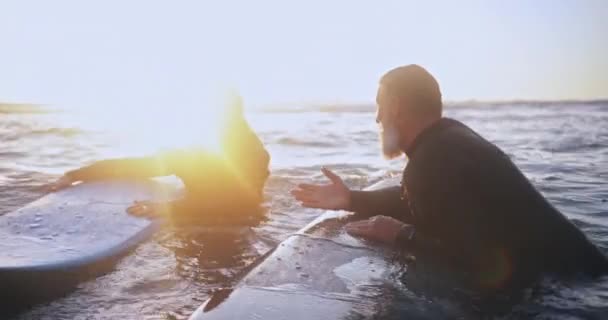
(38,219)
(34,225)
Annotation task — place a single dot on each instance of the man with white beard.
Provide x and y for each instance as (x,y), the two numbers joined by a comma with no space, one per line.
(461,198)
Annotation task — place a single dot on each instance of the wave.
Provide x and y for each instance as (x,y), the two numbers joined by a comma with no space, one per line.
(527,103)
(321,108)
(10,133)
(22,108)
(63,132)
(297,142)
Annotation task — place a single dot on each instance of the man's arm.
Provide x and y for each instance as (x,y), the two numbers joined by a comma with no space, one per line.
(392,231)
(388,201)
(166,209)
(130,168)
(337,196)
(249,159)
(163,164)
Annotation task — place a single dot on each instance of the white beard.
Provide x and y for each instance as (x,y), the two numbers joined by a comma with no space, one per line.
(390,142)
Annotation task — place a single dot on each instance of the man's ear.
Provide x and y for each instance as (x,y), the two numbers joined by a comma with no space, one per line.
(396,110)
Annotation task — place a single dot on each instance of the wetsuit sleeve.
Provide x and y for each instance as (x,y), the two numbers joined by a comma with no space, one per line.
(249,160)
(143,167)
(387,201)
(255,162)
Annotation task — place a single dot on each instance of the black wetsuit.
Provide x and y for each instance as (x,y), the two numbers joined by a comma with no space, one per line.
(472,206)
(219,187)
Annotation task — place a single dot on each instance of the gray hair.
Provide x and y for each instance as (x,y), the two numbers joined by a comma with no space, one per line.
(416,86)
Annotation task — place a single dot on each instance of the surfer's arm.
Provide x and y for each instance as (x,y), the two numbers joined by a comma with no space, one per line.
(249,161)
(130,168)
(387,201)
(176,210)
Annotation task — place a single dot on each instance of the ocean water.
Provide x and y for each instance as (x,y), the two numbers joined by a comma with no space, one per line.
(561,147)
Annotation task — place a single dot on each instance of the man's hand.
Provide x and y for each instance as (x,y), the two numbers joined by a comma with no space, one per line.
(379,228)
(147,209)
(333,196)
(62,183)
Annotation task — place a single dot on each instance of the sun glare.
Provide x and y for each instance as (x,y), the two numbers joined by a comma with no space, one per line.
(146,128)
(159,129)
(190,128)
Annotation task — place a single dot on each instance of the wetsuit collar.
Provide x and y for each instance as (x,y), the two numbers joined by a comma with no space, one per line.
(437,126)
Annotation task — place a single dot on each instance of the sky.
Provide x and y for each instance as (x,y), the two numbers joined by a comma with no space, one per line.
(116,54)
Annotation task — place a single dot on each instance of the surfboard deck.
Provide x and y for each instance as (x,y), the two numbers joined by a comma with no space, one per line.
(53,243)
(320,272)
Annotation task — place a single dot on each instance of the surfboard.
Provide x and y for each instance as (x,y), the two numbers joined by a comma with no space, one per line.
(53,243)
(320,272)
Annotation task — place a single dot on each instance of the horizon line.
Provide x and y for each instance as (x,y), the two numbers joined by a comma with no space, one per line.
(447,103)
(33,107)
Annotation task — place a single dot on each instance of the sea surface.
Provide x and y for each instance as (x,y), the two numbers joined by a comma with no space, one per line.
(561,146)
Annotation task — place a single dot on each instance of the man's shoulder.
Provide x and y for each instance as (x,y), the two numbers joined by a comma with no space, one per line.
(459,137)
(456,147)
(456,131)
(447,138)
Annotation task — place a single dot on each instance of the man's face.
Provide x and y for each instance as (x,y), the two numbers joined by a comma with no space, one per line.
(386,117)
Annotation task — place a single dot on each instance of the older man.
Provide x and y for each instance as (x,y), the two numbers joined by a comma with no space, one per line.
(461,197)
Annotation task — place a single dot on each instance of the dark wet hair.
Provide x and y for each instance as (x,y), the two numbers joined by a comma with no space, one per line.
(416,86)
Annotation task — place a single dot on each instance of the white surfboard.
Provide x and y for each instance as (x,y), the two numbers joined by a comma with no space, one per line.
(319,272)
(61,238)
